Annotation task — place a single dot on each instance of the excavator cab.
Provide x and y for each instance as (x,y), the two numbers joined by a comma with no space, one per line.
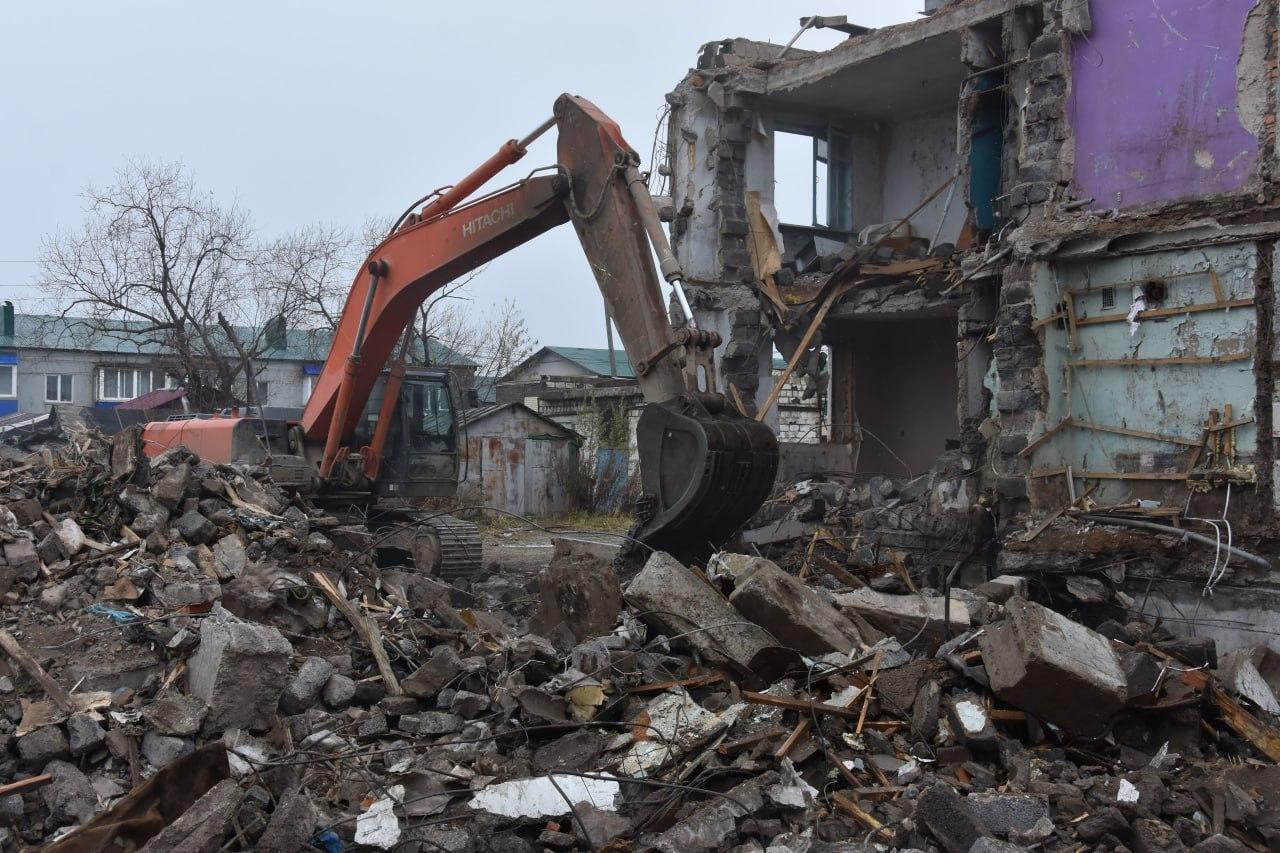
(420,457)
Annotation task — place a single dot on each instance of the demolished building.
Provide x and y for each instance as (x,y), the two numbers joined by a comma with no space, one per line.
(1040,266)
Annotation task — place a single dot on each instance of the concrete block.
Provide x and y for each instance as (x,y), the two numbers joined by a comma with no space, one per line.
(944,813)
(240,669)
(677,602)
(442,667)
(792,612)
(1003,588)
(304,689)
(902,616)
(1054,668)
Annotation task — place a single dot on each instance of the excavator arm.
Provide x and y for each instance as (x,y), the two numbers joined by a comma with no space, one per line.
(704,468)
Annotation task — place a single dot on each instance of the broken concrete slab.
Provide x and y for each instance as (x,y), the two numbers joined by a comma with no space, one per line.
(1050,666)
(239,670)
(793,613)
(200,828)
(1002,588)
(69,796)
(907,617)
(293,821)
(439,671)
(1253,674)
(679,603)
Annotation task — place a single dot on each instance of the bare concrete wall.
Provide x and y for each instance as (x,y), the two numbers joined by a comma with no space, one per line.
(917,156)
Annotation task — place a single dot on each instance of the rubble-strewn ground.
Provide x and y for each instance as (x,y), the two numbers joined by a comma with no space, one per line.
(196,661)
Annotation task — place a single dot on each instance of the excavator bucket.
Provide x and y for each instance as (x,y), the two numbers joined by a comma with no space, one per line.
(703,474)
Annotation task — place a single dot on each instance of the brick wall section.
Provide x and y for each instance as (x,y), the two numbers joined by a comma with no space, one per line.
(1043,171)
(740,359)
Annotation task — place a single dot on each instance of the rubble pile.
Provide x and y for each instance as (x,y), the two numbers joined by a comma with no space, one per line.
(926,524)
(195,660)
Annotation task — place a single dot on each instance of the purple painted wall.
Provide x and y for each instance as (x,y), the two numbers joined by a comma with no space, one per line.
(1153,102)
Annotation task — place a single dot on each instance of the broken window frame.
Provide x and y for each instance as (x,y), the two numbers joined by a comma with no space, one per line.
(831,146)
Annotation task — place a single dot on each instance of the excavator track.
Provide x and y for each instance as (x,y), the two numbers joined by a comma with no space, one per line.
(461,554)
(438,546)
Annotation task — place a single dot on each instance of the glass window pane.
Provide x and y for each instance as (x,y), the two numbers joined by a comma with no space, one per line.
(110,384)
(6,380)
(51,387)
(144,382)
(126,384)
(66,388)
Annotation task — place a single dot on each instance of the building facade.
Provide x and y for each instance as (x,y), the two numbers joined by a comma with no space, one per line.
(1037,248)
(56,360)
(579,386)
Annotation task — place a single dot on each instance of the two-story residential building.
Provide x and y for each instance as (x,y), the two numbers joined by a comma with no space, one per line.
(60,360)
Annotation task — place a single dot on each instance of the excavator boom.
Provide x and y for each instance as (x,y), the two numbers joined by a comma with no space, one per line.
(704,467)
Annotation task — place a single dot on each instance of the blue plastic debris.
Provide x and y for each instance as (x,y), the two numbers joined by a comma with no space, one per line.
(327,841)
(120,617)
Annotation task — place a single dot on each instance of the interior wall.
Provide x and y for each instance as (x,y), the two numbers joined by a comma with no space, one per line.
(904,389)
(918,155)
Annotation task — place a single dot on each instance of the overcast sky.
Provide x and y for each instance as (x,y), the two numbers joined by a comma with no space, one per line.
(337,112)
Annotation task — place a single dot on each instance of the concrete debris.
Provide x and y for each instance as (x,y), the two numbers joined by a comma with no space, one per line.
(806,702)
(1053,667)
(684,606)
(918,618)
(546,796)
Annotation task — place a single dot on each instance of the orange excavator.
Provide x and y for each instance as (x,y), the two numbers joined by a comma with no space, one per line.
(376,433)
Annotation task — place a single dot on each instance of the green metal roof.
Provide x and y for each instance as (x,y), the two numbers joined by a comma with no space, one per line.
(43,331)
(596,360)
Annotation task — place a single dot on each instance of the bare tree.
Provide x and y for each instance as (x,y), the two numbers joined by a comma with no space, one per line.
(306,274)
(159,265)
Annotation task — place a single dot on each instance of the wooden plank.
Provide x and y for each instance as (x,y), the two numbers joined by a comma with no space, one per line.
(850,807)
(1135,433)
(1045,436)
(692,681)
(1072,338)
(1156,313)
(1217,287)
(1145,362)
(832,298)
(52,689)
(24,784)
(1112,475)
(367,630)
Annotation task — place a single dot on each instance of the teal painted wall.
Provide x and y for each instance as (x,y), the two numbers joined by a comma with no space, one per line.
(1167,399)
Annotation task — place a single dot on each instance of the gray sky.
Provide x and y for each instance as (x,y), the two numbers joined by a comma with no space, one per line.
(336,112)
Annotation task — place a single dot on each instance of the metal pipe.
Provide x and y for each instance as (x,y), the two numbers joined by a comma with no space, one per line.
(537,131)
(511,151)
(1184,534)
(667,262)
(608,331)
